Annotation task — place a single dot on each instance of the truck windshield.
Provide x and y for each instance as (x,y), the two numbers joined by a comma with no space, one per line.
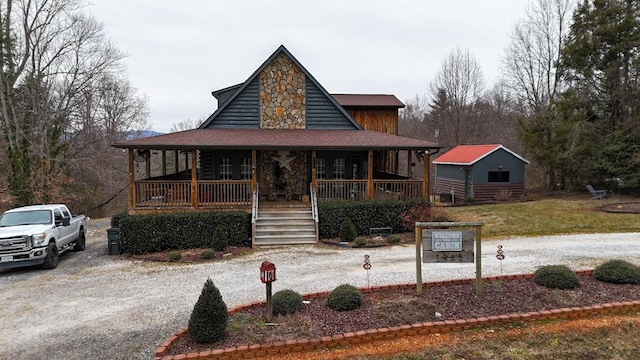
(32,217)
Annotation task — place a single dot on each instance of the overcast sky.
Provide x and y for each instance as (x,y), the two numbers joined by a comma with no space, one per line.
(180,51)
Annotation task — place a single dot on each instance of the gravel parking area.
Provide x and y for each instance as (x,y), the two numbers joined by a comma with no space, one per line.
(96,306)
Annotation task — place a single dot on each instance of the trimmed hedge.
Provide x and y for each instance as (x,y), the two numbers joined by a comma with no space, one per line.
(556,276)
(617,272)
(286,302)
(364,215)
(344,298)
(141,234)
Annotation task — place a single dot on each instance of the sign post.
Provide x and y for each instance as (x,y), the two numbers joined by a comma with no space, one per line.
(267,276)
(441,244)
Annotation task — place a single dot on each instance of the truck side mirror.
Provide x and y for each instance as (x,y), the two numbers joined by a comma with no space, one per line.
(64,221)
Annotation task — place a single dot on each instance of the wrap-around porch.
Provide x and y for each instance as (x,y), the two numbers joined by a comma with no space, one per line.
(238,179)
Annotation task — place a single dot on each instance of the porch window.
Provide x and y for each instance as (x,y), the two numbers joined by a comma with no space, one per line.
(339,168)
(321,169)
(226,168)
(245,168)
(499,176)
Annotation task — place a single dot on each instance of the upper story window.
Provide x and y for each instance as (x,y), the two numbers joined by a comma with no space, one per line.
(499,176)
(321,168)
(245,168)
(339,168)
(226,169)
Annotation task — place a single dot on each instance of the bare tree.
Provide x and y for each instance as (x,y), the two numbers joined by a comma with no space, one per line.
(54,60)
(187,124)
(529,64)
(456,90)
(412,121)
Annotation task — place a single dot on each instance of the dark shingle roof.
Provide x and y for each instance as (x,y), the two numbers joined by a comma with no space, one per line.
(278,139)
(368,100)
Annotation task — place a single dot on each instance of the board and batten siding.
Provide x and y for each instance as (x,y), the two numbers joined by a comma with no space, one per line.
(242,112)
(384,120)
(322,113)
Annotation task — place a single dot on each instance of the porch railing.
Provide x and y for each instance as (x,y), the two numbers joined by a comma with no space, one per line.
(397,189)
(177,193)
(228,192)
(163,193)
(342,189)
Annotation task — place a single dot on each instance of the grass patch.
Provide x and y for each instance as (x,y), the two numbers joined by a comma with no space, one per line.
(566,215)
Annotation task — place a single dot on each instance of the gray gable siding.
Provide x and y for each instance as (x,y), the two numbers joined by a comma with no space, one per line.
(500,157)
(243,111)
(321,111)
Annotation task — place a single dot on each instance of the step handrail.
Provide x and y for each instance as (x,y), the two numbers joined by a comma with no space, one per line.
(314,208)
(254,215)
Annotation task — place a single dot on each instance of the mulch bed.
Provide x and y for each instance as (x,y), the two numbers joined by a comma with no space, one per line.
(399,307)
(629,208)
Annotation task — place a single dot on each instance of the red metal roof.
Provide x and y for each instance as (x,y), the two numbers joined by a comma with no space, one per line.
(470,154)
(278,139)
(368,100)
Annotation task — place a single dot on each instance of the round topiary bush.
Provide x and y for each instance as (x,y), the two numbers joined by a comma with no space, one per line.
(209,317)
(361,241)
(286,302)
(347,230)
(617,272)
(393,239)
(344,298)
(207,254)
(175,255)
(556,276)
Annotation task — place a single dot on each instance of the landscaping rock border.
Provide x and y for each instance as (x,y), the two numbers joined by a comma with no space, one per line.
(370,335)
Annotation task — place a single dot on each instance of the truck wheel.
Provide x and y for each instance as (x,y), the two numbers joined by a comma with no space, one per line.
(80,242)
(51,261)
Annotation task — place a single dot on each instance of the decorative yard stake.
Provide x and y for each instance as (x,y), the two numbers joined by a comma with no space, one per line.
(367,265)
(267,276)
(500,256)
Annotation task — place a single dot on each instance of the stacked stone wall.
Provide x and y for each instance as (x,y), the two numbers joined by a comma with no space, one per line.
(282,95)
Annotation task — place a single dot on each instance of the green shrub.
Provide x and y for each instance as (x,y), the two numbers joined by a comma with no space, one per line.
(219,242)
(148,233)
(393,239)
(364,215)
(344,298)
(286,302)
(115,219)
(175,255)
(617,272)
(347,230)
(207,254)
(209,317)
(556,276)
(361,241)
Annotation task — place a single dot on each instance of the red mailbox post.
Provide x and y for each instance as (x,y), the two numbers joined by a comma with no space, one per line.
(267,276)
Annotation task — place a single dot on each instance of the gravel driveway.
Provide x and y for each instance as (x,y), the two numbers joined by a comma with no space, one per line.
(95,306)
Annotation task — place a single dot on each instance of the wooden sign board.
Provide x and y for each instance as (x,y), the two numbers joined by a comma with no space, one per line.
(447,246)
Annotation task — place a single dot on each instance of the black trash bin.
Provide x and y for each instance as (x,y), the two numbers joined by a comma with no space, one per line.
(113,238)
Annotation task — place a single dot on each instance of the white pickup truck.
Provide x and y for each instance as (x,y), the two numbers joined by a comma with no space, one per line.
(37,235)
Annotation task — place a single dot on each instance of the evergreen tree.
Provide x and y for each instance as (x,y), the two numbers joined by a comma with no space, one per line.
(209,316)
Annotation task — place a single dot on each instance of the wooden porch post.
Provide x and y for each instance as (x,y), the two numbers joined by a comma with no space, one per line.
(164,162)
(314,174)
(254,165)
(147,165)
(425,183)
(132,187)
(409,170)
(370,175)
(177,162)
(194,178)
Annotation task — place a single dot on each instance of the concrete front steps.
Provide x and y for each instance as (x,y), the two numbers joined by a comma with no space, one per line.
(285,225)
